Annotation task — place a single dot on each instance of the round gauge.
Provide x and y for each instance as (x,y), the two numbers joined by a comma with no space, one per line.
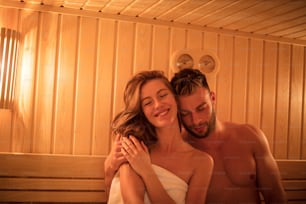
(184,61)
(207,63)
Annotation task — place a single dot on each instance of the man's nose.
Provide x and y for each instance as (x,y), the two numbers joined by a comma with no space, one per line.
(196,119)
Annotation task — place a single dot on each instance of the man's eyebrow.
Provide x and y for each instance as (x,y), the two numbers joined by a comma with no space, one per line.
(200,105)
(197,107)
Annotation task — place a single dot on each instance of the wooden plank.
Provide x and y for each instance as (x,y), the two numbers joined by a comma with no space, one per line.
(104,100)
(64,107)
(269,92)
(5,129)
(124,62)
(85,86)
(254,82)
(303,129)
(296,108)
(282,104)
(178,38)
(224,77)
(31,165)
(160,49)
(294,184)
(239,89)
(143,47)
(272,16)
(23,130)
(292,169)
(45,84)
(194,41)
(52,196)
(296,195)
(210,43)
(196,16)
(233,13)
(52,184)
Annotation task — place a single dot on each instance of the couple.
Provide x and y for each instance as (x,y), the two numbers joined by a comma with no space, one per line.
(237,167)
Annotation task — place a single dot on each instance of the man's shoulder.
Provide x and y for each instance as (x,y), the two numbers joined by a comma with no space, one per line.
(234,130)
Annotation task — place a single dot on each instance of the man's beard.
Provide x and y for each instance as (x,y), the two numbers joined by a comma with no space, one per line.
(210,127)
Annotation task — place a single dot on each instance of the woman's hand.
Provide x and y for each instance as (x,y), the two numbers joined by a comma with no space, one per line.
(137,154)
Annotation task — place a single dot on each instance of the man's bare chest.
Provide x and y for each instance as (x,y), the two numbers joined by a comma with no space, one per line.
(235,168)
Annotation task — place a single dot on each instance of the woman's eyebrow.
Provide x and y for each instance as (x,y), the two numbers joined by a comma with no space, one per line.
(163,89)
(160,90)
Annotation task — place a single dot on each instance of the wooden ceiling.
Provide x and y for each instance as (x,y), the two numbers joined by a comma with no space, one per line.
(280,19)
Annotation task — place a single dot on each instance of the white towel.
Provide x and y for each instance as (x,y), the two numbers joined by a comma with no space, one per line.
(175,187)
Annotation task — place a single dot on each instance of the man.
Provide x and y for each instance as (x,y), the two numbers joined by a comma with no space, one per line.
(243,162)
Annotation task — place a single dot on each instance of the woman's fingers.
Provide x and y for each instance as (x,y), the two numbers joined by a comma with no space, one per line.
(128,146)
(136,142)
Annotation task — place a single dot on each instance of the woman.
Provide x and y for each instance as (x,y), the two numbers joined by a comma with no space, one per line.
(161,167)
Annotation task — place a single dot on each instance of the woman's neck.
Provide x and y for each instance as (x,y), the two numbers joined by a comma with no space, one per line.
(169,138)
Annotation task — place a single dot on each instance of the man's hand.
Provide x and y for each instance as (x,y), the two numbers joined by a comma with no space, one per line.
(113,162)
(116,158)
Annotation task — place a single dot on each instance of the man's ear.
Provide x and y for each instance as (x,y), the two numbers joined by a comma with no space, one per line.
(213,96)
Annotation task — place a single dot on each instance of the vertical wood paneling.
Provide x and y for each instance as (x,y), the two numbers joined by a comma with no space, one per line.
(104,85)
(85,86)
(9,18)
(210,42)
(143,47)
(282,101)
(124,61)
(23,131)
(254,80)
(66,86)
(73,70)
(45,83)
(224,77)
(296,98)
(178,42)
(194,40)
(239,88)
(269,92)
(303,127)
(160,48)
(5,130)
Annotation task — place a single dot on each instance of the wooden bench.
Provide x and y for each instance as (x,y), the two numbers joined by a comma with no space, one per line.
(293,173)
(35,178)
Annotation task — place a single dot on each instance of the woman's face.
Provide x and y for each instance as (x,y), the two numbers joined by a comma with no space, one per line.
(158,103)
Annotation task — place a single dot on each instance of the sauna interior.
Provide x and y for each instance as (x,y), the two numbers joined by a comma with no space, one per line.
(72,59)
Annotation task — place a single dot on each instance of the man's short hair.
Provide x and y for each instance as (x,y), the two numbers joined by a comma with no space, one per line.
(187,80)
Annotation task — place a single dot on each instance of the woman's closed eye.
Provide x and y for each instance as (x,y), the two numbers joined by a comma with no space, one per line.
(163,95)
(146,102)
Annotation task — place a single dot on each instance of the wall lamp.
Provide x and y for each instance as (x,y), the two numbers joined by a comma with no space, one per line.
(9,42)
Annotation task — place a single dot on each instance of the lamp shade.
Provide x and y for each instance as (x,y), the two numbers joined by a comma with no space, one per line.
(9,41)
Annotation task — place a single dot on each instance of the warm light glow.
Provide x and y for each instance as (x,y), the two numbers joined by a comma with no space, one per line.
(9,40)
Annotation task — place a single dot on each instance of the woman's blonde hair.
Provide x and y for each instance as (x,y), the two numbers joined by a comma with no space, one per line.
(132,121)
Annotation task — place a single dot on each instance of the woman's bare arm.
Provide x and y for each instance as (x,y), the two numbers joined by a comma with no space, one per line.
(132,186)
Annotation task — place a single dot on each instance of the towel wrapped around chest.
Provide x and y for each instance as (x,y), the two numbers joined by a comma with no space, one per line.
(175,187)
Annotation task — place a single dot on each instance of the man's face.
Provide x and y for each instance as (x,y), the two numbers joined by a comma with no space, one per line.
(197,112)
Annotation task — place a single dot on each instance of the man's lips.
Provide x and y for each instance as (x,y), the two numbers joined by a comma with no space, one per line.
(200,129)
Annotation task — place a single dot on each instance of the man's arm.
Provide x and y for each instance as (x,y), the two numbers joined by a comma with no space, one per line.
(113,162)
(268,175)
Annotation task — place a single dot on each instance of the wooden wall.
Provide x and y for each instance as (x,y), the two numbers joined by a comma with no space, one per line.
(72,70)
